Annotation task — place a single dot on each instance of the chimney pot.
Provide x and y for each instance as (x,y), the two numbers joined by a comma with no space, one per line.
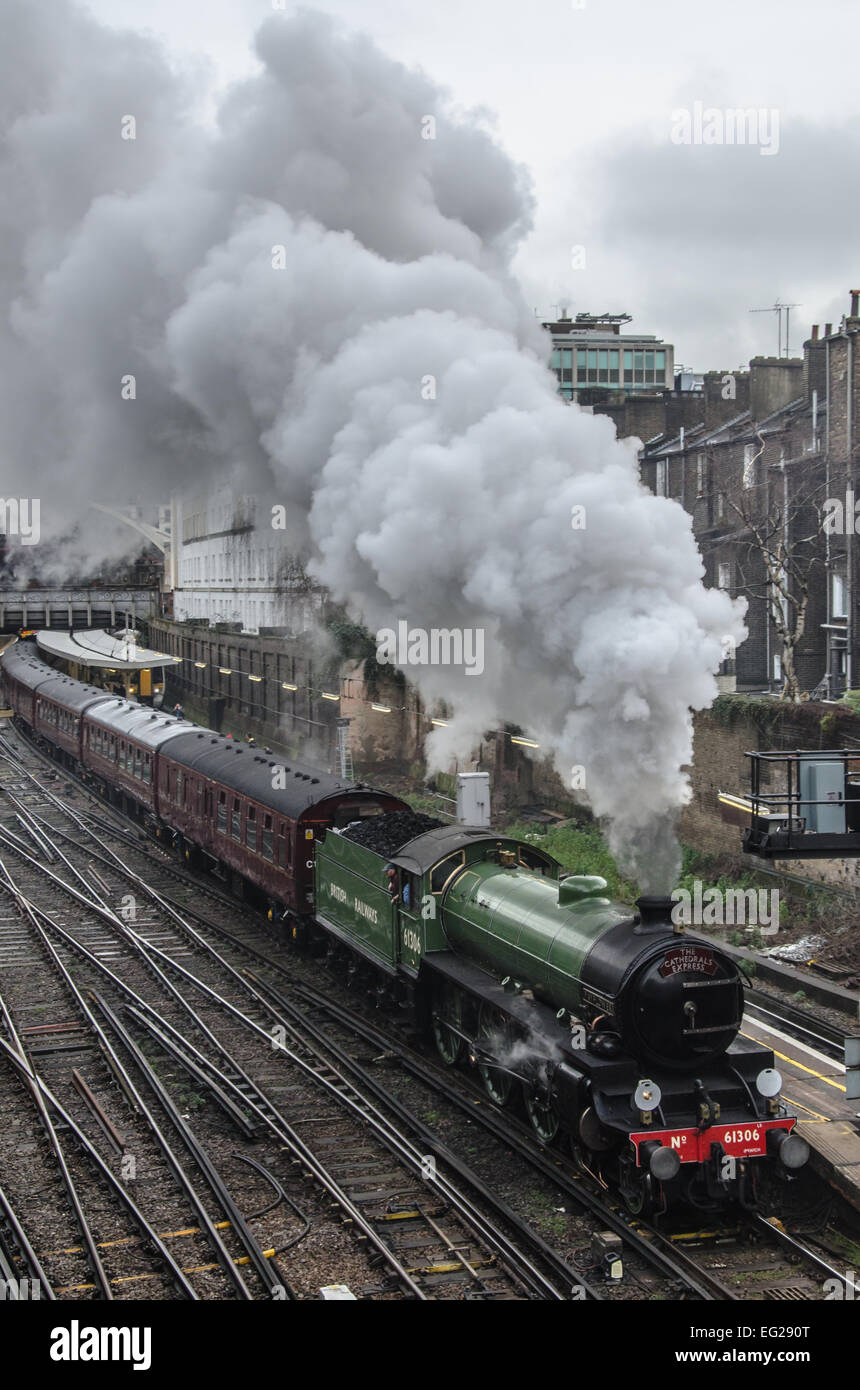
(828,329)
(815,332)
(855,303)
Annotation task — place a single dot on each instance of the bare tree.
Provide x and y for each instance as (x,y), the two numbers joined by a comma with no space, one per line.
(781,521)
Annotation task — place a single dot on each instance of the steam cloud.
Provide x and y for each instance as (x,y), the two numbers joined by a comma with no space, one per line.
(154,257)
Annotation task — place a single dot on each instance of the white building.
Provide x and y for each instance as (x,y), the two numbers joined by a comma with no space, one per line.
(231,565)
(592,357)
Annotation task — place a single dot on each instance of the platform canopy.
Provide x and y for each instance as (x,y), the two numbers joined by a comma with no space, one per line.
(96,647)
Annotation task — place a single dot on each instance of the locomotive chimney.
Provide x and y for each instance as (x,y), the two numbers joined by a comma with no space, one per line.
(655,913)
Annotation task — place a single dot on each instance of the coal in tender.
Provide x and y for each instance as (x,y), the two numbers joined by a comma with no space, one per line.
(388,833)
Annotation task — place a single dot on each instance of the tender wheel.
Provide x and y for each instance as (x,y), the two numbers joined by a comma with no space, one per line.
(447,1023)
(543,1116)
(495,1037)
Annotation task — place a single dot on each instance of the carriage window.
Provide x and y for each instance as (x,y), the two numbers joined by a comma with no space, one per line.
(445,869)
(235,819)
(113,748)
(251,828)
(137,769)
(267,838)
(178,792)
(147,768)
(222,812)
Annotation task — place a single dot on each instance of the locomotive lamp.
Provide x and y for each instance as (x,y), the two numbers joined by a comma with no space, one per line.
(646,1099)
(768,1083)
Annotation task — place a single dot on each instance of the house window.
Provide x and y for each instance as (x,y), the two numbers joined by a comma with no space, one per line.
(777,666)
(660,479)
(724,575)
(700,475)
(838,605)
(749,465)
(721,506)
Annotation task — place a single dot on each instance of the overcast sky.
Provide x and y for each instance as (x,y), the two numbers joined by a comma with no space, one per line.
(688,238)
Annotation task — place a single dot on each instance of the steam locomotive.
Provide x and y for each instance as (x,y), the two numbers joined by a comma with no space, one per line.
(614,1029)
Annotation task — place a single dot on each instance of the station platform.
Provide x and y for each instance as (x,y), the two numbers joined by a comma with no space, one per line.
(815,1086)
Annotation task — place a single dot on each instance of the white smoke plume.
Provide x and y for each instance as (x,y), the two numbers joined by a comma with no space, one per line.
(316,298)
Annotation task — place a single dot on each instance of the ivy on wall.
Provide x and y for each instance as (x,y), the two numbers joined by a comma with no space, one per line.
(732,710)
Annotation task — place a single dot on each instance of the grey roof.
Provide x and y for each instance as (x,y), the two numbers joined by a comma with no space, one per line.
(244,768)
(672,443)
(140,722)
(23,665)
(96,647)
(420,854)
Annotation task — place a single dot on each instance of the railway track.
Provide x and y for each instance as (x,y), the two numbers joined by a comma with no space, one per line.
(694,1275)
(461,1248)
(815,1033)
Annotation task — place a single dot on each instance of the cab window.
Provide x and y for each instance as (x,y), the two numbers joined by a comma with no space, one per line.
(443,871)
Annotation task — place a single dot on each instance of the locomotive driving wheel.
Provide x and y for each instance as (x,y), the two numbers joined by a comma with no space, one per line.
(640,1199)
(543,1116)
(495,1038)
(448,1023)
